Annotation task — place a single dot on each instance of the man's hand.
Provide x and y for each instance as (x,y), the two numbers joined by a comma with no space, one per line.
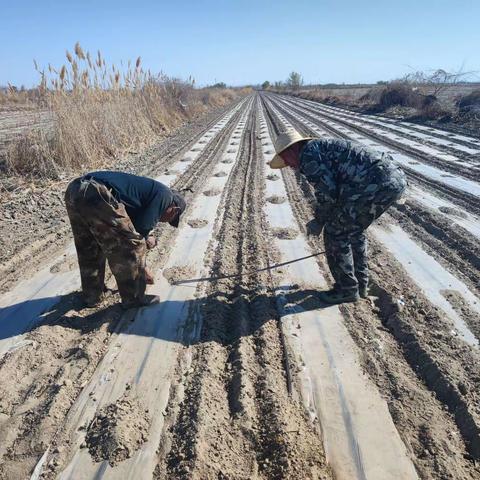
(151,242)
(149,277)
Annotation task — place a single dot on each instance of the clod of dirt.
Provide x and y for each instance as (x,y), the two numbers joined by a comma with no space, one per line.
(220,174)
(197,223)
(186,159)
(212,192)
(285,233)
(273,177)
(452,211)
(178,273)
(117,431)
(66,264)
(171,172)
(276,199)
(227,160)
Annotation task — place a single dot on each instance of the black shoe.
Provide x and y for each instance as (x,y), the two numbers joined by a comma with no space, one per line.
(93,302)
(335,297)
(146,301)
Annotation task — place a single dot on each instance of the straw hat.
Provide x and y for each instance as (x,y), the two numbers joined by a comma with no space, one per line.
(282,142)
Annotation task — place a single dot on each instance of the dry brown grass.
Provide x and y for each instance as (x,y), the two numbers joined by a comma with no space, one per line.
(470,103)
(101,111)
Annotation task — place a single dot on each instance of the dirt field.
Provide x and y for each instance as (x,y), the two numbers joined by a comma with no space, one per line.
(14,122)
(444,113)
(450,93)
(248,376)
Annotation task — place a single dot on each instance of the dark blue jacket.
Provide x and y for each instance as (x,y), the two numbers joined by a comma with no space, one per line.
(145,199)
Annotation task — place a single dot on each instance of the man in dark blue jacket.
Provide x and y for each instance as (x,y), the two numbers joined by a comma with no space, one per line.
(353,186)
(112,215)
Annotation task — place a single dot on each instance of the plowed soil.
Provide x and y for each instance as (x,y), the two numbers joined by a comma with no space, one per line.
(234,396)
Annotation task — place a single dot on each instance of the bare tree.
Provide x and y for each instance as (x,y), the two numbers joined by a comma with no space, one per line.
(294,80)
(435,81)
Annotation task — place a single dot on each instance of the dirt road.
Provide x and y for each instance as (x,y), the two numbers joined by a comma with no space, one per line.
(249,377)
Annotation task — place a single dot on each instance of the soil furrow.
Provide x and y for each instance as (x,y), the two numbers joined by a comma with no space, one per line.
(426,358)
(461,197)
(444,134)
(452,245)
(235,407)
(424,424)
(31,426)
(400,130)
(448,166)
(209,403)
(30,253)
(267,435)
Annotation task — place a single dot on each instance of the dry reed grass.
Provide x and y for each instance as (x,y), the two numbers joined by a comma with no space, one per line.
(101,111)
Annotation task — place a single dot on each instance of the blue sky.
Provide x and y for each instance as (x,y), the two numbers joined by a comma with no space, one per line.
(246,41)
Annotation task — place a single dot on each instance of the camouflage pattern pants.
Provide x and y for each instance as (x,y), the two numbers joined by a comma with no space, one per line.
(344,235)
(102,230)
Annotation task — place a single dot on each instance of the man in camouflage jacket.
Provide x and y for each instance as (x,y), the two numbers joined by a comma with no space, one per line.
(353,186)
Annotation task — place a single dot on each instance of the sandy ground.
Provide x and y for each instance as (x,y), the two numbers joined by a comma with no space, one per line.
(248,376)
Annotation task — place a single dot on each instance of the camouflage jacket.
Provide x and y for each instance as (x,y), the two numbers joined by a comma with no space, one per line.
(344,173)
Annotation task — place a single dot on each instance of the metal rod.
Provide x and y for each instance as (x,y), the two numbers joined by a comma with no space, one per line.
(221,277)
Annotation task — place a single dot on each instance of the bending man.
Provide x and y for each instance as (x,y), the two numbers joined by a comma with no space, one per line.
(112,214)
(353,186)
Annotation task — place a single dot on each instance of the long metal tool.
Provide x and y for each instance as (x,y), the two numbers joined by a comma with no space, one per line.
(234,275)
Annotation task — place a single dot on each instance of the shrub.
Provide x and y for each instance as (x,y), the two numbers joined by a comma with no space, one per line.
(398,94)
(334,100)
(470,103)
(431,109)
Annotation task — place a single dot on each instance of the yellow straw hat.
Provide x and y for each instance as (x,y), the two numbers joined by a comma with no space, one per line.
(282,142)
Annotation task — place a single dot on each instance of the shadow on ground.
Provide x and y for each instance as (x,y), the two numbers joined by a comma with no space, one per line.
(175,321)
